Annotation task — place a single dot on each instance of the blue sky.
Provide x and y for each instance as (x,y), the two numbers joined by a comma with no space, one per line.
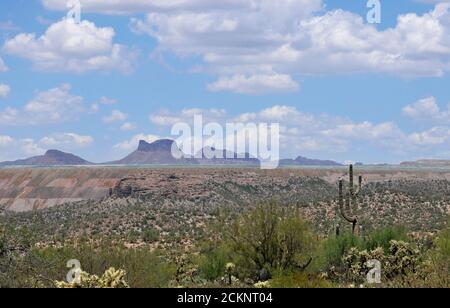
(342,89)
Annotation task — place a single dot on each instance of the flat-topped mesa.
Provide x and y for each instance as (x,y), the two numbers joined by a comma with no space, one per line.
(164,145)
(155,153)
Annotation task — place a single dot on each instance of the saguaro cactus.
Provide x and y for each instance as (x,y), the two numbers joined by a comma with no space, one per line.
(348,206)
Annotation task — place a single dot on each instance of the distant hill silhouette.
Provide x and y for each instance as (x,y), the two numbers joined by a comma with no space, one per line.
(211,156)
(51,158)
(160,153)
(303,161)
(427,163)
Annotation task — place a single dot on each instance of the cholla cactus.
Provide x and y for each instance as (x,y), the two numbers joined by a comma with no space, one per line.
(401,260)
(404,258)
(262,285)
(229,270)
(111,279)
(348,206)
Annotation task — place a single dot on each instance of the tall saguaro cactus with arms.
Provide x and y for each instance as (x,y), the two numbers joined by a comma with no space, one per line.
(348,205)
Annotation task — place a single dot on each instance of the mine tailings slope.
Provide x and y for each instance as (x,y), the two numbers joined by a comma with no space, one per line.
(39,188)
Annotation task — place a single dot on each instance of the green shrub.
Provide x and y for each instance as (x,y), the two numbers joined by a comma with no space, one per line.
(383,237)
(145,269)
(334,248)
(150,236)
(270,237)
(212,264)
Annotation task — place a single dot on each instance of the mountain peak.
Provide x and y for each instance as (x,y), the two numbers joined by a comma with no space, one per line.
(159,145)
(50,158)
(55,153)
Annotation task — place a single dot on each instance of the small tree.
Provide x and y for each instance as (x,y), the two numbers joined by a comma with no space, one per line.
(271,237)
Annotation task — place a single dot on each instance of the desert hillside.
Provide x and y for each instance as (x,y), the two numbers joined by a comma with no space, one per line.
(419,199)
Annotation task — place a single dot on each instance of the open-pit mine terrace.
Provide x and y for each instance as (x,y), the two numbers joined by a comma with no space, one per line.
(27,189)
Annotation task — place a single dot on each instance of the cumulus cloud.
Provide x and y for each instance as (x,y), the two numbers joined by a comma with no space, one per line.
(66,139)
(12,148)
(263,46)
(3,67)
(107,101)
(4,90)
(433,137)
(427,109)
(293,38)
(115,116)
(53,106)
(255,84)
(17,148)
(121,7)
(132,144)
(166,118)
(128,126)
(304,133)
(5,141)
(70,47)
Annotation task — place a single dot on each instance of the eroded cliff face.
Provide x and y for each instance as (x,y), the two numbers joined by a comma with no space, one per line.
(32,189)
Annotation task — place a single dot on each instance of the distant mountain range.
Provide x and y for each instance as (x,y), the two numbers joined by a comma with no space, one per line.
(160,153)
(427,163)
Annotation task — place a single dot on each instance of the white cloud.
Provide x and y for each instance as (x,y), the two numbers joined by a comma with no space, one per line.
(294,38)
(433,137)
(251,44)
(19,148)
(132,144)
(4,90)
(165,118)
(5,141)
(66,139)
(70,47)
(310,134)
(427,109)
(94,108)
(56,105)
(29,148)
(3,67)
(107,101)
(128,126)
(12,149)
(255,84)
(116,116)
(120,7)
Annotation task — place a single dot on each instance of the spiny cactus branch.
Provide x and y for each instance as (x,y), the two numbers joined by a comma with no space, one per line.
(350,202)
(341,203)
